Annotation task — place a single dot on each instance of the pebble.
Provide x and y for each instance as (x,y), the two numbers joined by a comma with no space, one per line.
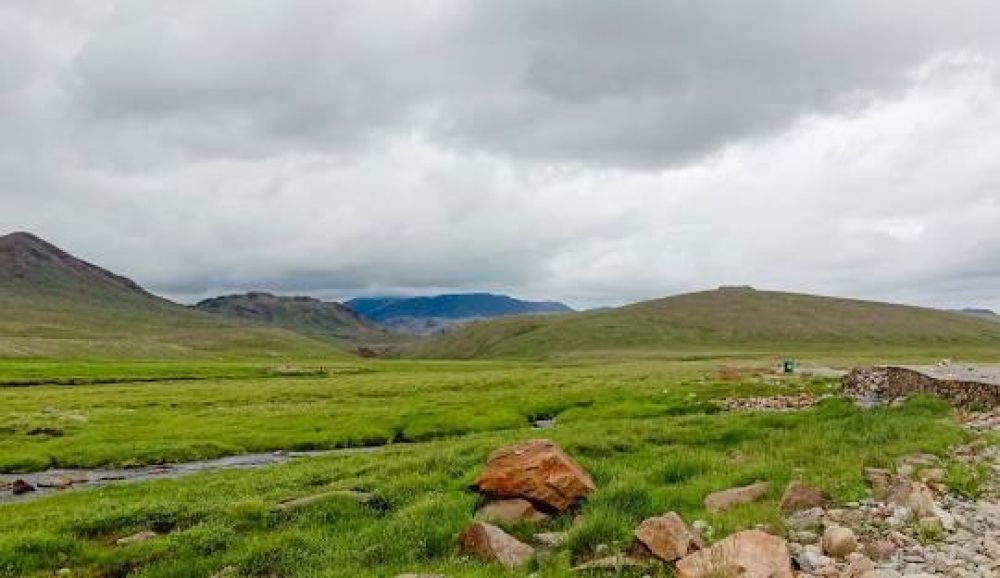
(960,537)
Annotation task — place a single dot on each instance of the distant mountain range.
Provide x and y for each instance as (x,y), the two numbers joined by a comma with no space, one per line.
(978,312)
(323,319)
(56,305)
(434,314)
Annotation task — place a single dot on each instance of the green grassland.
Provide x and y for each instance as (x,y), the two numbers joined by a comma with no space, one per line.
(646,429)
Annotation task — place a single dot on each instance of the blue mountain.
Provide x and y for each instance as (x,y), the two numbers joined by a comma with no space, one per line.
(463,306)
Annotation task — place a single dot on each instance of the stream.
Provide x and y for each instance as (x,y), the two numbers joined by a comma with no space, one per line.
(52,481)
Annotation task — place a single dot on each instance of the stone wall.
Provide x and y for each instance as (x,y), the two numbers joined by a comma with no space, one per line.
(886,383)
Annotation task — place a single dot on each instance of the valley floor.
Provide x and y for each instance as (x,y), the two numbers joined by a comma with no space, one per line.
(652,433)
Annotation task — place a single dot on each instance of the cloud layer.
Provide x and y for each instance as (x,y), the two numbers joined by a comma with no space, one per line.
(586,151)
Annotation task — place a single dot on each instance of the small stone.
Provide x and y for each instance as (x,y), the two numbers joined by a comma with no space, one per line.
(799,496)
(667,537)
(493,544)
(144,536)
(307,501)
(718,501)
(934,475)
(881,549)
(550,539)
(806,537)
(614,562)
(226,571)
(511,511)
(859,566)
(811,559)
(839,541)
(21,487)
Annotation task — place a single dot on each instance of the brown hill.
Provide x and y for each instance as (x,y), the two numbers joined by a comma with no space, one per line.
(55,304)
(734,318)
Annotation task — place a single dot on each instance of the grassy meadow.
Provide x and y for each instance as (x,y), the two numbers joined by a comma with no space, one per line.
(647,430)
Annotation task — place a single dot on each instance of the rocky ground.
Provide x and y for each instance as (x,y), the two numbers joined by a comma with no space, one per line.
(912,526)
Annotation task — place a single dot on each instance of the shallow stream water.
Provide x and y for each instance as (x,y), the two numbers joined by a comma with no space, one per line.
(52,481)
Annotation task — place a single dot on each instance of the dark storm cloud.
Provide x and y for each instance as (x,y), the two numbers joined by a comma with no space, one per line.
(594,151)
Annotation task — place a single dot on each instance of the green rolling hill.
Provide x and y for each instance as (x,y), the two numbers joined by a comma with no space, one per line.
(56,305)
(732,318)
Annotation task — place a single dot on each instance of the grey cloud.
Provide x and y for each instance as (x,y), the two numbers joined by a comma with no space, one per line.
(592,151)
(633,83)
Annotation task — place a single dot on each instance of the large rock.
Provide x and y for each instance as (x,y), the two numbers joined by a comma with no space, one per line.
(494,545)
(537,471)
(749,554)
(719,501)
(21,487)
(511,511)
(799,496)
(667,537)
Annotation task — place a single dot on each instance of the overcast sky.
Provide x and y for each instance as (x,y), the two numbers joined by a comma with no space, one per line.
(597,152)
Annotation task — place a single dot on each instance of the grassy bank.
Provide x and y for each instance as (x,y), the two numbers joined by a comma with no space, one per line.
(643,465)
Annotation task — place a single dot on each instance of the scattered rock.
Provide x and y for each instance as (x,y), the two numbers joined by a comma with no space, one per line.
(615,562)
(882,549)
(493,544)
(773,403)
(305,501)
(860,566)
(550,539)
(667,537)
(226,571)
(537,471)
(933,476)
(799,496)
(144,536)
(879,480)
(511,511)
(839,541)
(748,554)
(21,487)
(718,501)
(811,559)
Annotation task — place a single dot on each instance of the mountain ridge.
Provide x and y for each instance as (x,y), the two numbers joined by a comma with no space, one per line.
(58,305)
(710,318)
(437,313)
(306,315)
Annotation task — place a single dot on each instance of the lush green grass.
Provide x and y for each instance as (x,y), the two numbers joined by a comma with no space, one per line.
(645,430)
(352,405)
(642,467)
